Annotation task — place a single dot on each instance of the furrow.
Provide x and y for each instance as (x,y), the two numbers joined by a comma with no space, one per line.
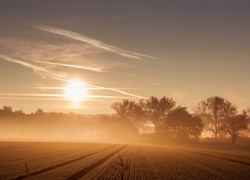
(83,172)
(59,165)
(219,157)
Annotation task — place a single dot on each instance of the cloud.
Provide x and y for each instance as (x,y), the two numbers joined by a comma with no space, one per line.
(74,66)
(52,57)
(53,60)
(43,72)
(57,97)
(36,69)
(116,90)
(95,87)
(96,43)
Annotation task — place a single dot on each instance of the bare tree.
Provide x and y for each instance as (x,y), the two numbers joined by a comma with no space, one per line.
(214,111)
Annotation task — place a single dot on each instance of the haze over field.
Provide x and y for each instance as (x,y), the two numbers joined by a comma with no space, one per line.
(132,89)
(188,50)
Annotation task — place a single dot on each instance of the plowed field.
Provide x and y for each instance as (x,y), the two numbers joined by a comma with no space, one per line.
(61,160)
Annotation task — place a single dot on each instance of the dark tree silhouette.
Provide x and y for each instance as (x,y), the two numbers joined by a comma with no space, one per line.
(156,111)
(182,125)
(19,112)
(214,111)
(39,112)
(128,110)
(7,109)
(235,124)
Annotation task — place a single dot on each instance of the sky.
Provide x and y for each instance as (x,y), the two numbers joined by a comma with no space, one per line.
(133,49)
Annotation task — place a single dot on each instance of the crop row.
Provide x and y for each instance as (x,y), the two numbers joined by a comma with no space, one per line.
(154,162)
(117,161)
(35,158)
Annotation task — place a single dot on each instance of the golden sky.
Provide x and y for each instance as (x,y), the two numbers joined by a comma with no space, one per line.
(188,50)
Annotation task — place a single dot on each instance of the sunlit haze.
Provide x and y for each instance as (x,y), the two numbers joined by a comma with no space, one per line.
(124,89)
(187,50)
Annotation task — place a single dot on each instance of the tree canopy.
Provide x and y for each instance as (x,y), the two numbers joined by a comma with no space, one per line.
(168,120)
(214,111)
(156,111)
(235,124)
(181,124)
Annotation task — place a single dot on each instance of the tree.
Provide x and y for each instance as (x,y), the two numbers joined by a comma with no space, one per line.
(214,111)
(19,112)
(130,118)
(39,112)
(235,124)
(156,111)
(128,110)
(7,109)
(181,124)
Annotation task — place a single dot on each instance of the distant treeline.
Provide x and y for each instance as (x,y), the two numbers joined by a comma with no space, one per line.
(159,119)
(59,126)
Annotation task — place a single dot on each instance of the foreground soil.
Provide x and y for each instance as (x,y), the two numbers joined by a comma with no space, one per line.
(68,160)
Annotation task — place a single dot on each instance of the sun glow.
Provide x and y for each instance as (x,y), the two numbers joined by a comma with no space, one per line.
(75,91)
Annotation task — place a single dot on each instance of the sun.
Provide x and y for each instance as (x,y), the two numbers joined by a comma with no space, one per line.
(75,91)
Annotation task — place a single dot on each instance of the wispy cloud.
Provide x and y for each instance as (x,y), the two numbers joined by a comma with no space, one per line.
(41,71)
(106,47)
(32,96)
(28,65)
(116,90)
(74,66)
(58,97)
(53,60)
(95,87)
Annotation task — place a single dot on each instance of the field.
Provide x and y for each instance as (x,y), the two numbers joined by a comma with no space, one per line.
(72,160)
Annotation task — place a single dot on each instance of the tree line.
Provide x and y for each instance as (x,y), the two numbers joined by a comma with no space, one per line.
(214,114)
(171,122)
(57,126)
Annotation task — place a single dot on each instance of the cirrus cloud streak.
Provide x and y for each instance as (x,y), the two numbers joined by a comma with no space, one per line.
(106,47)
